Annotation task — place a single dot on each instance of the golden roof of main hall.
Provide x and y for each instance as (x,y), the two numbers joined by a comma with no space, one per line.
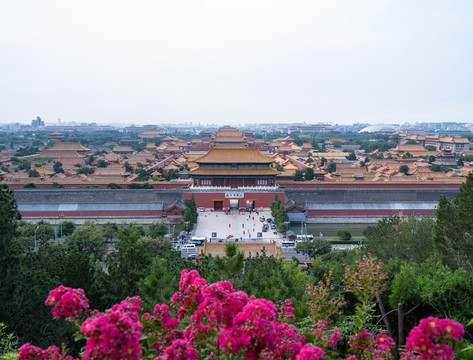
(234,156)
(242,171)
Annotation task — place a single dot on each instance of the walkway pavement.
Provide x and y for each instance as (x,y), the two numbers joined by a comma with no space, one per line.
(242,226)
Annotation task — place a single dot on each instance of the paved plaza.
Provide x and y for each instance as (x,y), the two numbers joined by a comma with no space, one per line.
(243,226)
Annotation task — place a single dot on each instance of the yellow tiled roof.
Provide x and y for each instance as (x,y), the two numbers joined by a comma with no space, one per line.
(238,171)
(232,156)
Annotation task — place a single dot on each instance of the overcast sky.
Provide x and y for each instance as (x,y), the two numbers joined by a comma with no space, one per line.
(235,62)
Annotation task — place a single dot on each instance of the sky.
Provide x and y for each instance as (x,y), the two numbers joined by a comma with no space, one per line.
(234,62)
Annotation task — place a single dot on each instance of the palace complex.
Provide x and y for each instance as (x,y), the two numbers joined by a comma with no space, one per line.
(229,169)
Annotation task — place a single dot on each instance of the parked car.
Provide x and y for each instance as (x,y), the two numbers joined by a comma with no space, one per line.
(262,219)
(188,247)
(201,209)
(273,226)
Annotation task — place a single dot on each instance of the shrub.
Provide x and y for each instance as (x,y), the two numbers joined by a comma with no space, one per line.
(344,234)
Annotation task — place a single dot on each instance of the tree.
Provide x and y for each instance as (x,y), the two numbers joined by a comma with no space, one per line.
(45,232)
(410,240)
(128,167)
(87,238)
(57,167)
(89,160)
(162,281)
(331,167)
(85,170)
(430,147)
(411,142)
(454,228)
(102,163)
(323,161)
(57,185)
(33,173)
(403,169)
(309,174)
(279,214)
(113,186)
(431,159)
(10,250)
(432,288)
(172,174)
(344,234)
(156,246)
(30,186)
(351,156)
(314,247)
(109,230)
(299,176)
(157,230)
(190,213)
(68,227)
(129,264)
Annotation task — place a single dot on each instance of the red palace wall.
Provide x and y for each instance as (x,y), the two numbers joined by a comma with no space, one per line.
(327,185)
(90,213)
(367,212)
(261,199)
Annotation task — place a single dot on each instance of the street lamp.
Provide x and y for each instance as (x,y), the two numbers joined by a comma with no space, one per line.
(35,246)
(61,218)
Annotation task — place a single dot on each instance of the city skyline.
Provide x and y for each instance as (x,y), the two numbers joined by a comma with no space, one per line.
(223,63)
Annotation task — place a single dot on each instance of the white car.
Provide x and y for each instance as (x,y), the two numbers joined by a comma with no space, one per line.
(188,247)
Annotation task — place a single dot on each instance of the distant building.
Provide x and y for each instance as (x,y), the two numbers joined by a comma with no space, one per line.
(36,123)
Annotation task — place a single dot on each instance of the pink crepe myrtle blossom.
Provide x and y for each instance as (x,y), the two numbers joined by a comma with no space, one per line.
(431,339)
(115,334)
(67,302)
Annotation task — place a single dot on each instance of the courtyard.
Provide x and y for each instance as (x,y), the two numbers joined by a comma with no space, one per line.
(235,226)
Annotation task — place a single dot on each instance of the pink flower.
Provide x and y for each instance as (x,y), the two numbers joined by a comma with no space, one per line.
(431,337)
(319,329)
(30,352)
(67,302)
(333,339)
(220,304)
(189,296)
(114,334)
(284,312)
(309,352)
(179,350)
(362,341)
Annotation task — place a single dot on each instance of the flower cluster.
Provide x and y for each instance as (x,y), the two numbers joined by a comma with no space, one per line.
(30,352)
(365,346)
(162,329)
(309,352)
(179,350)
(431,339)
(67,302)
(324,338)
(189,295)
(284,311)
(115,334)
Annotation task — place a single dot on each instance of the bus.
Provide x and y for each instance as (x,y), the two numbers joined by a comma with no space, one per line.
(304,237)
(198,240)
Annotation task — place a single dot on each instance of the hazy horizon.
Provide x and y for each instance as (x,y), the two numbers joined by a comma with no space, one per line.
(232,63)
